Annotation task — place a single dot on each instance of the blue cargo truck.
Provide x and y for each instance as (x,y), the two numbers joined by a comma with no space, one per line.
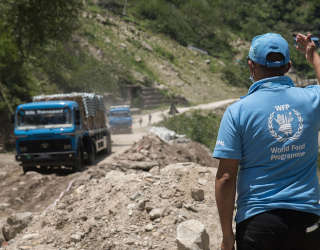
(120,119)
(61,130)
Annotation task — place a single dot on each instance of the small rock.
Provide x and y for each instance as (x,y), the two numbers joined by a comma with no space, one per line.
(141,205)
(76,237)
(131,206)
(146,46)
(123,45)
(156,213)
(197,194)
(148,206)
(4,206)
(30,236)
(190,207)
(108,188)
(138,59)
(178,204)
(149,227)
(155,170)
(135,196)
(202,181)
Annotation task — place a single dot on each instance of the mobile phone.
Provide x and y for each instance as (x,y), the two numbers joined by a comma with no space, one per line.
(315,39)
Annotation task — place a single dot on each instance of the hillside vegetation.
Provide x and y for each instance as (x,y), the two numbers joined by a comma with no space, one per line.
(196,49)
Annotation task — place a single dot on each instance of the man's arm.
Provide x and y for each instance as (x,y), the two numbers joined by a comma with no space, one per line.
(308,48)
(225,191)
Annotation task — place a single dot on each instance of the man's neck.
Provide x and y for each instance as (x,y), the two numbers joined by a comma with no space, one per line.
(258,78)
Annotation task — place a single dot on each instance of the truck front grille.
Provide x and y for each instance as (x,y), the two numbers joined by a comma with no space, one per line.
(43,146)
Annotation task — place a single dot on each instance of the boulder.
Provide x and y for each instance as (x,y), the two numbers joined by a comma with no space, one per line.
(15,224)
(192,235)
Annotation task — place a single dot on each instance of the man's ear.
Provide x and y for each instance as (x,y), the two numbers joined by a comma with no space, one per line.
(251,66)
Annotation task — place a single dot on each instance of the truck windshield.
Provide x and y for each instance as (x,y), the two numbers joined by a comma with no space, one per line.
(119,113)
(44,118)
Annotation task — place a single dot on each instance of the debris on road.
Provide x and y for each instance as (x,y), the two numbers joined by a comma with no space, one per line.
(135,202)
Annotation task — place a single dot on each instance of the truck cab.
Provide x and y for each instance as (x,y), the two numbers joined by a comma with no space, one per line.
(120,119)
(45,133)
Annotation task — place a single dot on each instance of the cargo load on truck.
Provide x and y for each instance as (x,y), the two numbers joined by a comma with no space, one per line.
(91,107)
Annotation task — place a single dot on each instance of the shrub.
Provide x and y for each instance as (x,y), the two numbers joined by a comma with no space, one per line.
(198,126)
(237,73)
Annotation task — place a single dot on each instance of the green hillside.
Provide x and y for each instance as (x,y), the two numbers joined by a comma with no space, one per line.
(196,49)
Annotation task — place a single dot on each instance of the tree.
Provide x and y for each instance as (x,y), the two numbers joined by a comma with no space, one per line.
(26,27)
(33,23)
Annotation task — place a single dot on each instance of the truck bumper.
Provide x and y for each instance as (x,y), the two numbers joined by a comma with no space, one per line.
(47,159)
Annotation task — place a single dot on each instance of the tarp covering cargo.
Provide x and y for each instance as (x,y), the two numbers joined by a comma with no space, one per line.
(91,107)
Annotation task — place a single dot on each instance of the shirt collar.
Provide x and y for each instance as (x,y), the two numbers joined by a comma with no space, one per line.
(276,80)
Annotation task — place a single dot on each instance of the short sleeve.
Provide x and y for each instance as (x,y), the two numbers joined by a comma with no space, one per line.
(314,96)
(228,144)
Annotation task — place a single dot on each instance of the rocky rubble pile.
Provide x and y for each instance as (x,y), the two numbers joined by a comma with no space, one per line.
(151,151)
(122,206)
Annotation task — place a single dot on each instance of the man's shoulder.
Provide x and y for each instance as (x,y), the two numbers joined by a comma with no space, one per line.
(309,90)
(317,87)
(238,104)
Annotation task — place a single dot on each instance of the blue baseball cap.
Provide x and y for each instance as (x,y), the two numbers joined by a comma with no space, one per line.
(265,44)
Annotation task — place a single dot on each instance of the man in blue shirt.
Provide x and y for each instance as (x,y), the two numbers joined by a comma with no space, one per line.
(268,147)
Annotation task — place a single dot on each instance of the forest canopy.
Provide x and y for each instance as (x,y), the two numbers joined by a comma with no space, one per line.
(27,27)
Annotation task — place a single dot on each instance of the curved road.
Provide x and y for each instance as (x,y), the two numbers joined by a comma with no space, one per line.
(122,142)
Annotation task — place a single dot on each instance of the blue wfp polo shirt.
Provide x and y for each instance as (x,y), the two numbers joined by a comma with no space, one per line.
(273,131)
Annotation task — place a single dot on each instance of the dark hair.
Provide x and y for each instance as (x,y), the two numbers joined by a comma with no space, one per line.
(274,57)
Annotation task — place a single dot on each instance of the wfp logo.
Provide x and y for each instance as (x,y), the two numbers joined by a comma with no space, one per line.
(285,123)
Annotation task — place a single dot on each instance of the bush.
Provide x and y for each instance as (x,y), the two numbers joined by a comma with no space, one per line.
(198,126)
(237,73)
(164,53)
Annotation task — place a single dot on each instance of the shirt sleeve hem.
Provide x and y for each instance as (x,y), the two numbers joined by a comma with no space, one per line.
(226,155)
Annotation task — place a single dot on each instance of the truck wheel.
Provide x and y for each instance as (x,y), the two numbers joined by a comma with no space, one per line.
(92,154)
(25,168)
(78,164)
(109,144)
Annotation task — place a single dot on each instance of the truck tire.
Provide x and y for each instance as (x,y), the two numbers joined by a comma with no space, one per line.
(26,168)
(109,144)
(78,163)
(91,154)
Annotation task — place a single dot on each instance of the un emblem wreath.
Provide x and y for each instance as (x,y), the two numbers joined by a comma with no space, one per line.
(282,138)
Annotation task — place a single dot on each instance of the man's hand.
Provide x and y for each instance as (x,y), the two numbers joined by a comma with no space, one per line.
(228,243)
(306,46)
